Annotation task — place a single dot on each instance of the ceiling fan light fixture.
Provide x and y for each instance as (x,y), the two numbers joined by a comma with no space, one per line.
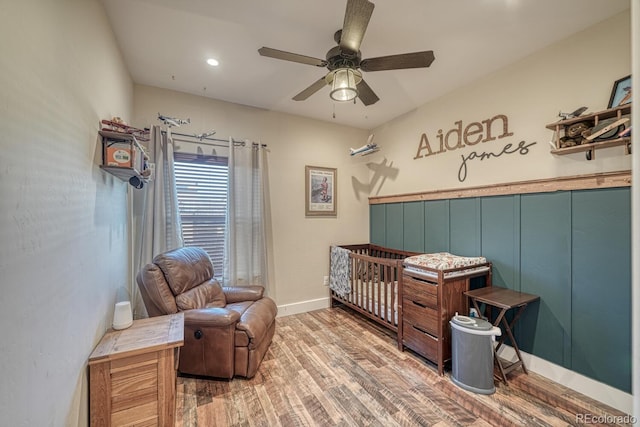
(344,84)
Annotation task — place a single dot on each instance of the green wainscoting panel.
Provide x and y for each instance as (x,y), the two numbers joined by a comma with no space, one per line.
(395,226)
(545,263)
(377,224)
(414,226)
(436,228)
(500,230)
(501,239)
(601,292)
(464,231)
(571,248)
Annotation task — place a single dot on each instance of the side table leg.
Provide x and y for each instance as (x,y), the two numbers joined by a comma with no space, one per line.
(497,347)
(508,327)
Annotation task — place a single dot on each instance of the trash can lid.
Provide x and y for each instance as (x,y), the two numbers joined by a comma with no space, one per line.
(473,323)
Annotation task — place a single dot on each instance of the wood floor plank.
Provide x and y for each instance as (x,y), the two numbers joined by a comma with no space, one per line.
(352,406)
(332,367)
(270,415)
(212,413)
(323,410)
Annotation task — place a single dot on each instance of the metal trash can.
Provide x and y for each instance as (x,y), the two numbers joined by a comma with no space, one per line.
(472,353)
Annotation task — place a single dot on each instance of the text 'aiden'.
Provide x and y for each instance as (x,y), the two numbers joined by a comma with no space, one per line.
(469,135)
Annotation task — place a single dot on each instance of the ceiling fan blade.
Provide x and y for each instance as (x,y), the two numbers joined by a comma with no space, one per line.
(293,57)
(366,94)
(356,20)
(397,62)
(319,84)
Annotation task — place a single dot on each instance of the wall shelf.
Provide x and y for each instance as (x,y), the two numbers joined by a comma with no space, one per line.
(561,126)
(133,167)
(123,173)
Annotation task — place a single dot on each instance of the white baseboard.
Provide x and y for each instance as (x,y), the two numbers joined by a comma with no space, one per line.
(594,389)
(302,307)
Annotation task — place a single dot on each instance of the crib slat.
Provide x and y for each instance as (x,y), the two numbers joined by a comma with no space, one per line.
(375,281)
(378,288)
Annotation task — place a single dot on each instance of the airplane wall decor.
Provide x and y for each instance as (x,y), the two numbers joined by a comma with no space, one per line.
(368,148)
(172,121)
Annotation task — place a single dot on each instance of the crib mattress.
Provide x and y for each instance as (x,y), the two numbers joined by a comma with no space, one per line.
(429,264)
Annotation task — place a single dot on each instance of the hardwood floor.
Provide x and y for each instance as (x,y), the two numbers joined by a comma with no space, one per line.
(333,368)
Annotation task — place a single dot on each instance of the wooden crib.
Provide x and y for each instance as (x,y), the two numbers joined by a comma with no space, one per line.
(376,285)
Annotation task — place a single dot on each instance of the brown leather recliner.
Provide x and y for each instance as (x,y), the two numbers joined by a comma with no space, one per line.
(227,330)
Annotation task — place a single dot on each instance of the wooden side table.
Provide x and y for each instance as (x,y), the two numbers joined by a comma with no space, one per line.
(132,373)
(505,300)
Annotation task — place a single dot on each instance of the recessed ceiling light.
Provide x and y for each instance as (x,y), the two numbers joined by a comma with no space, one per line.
(213,62)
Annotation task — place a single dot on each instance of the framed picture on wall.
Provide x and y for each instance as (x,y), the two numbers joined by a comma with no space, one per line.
(320,191)
(621,93)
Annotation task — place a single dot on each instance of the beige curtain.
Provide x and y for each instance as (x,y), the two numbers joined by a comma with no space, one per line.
(158,224)
(248,217)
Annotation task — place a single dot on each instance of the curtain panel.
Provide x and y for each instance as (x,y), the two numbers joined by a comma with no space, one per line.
(248,217)
(159,228)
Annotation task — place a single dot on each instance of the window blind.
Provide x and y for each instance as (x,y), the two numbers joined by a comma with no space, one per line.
(201,183)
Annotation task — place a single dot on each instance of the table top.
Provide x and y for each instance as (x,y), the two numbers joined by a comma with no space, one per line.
(501,297)
(145,335)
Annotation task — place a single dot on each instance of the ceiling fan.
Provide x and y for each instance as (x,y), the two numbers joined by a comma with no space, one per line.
(345,61)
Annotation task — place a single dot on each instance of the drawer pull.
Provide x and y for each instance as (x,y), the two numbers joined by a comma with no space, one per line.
(419,304)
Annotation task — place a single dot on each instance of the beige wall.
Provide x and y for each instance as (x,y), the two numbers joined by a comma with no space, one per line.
(300,245)
(578,71)
(63,221)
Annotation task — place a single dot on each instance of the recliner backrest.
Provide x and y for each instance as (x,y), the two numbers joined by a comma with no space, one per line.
(155,291)
(185,268)
(180,279)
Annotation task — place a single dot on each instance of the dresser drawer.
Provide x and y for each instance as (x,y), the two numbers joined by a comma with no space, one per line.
(424,293)
(423,317)
(420,342)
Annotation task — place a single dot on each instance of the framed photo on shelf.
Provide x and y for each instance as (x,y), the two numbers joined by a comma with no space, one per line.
(320,191)
(621,92)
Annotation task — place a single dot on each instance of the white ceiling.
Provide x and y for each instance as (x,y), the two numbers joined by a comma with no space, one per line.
(165,44)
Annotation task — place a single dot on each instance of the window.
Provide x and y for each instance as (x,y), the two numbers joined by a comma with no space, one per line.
(201,183)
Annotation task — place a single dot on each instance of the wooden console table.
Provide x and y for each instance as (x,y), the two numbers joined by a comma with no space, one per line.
(132,373)
(505,300)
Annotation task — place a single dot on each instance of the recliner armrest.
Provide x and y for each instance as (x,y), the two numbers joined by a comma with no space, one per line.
(243,293)
(212,317)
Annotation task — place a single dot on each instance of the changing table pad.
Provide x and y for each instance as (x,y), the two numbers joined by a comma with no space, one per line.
(428,264)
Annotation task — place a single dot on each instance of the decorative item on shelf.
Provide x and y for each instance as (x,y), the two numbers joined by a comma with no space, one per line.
(621,92)
(122,316)
(625,133)
(123,156)
(575,134)
(136,182)
(588,132)
(607,129)
(117,125)
(571,115)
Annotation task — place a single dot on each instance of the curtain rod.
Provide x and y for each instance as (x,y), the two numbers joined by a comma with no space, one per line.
(208,138)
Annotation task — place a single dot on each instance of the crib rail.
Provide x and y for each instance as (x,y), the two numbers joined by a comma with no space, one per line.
(376,284)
